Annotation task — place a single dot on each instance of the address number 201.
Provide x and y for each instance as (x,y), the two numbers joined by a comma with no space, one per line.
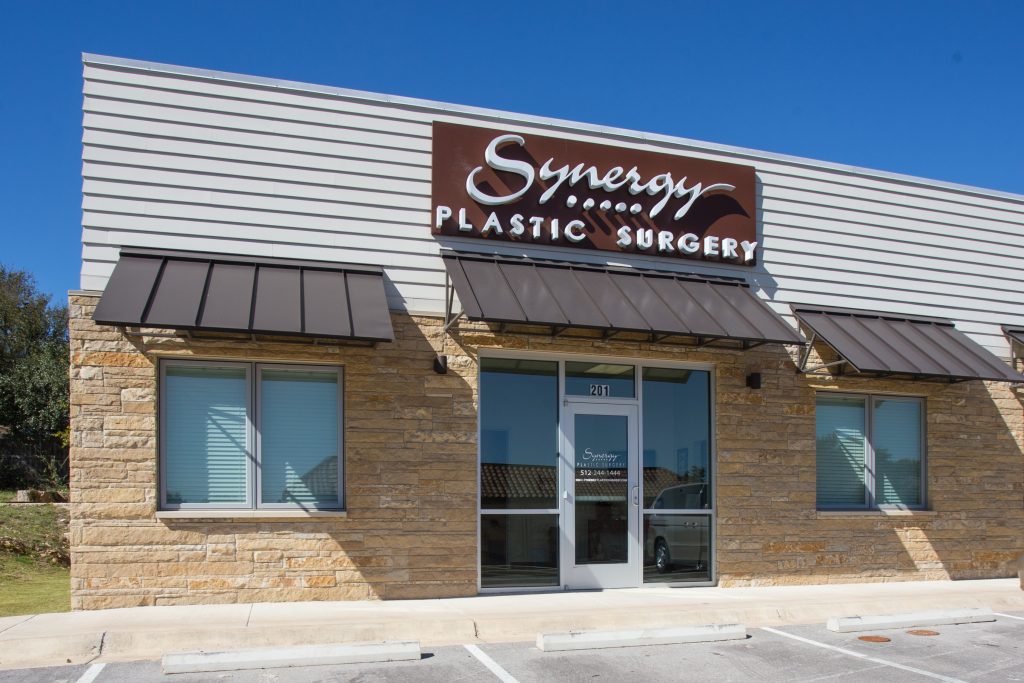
(600,390)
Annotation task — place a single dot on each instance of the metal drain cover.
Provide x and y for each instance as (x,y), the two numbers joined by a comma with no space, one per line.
(874,639)
(922,632)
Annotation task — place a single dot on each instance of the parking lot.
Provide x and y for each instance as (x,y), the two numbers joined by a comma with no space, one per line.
(991,651)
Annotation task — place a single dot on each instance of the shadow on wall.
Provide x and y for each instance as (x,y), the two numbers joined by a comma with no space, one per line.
(760,277)
(975,483)
(973,525)
(410,487)
(769,528)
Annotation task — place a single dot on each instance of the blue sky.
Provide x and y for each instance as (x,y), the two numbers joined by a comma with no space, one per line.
(934,89)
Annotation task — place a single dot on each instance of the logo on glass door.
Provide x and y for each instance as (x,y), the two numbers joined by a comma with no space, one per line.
(595,466)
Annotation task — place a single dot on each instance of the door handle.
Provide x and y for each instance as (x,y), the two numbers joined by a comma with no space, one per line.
(636,495)
(565,495)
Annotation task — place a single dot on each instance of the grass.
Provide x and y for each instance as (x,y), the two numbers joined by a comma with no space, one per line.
(28,586)
(6,496)
(34,576)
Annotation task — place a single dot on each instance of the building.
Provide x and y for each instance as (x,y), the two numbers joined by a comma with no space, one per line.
(336,345)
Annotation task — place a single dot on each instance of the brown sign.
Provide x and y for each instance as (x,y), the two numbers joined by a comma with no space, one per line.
(510,187)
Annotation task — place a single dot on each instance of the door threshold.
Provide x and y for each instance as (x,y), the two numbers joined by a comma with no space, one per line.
(552,590)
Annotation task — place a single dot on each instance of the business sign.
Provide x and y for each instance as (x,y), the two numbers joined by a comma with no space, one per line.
(533,189)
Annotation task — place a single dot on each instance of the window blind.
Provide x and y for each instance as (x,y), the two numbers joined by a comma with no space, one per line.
(205,449)
(896,436)
(841,451)
(299,437)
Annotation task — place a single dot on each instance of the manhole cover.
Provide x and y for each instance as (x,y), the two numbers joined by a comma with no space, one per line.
(922,632)
(874,639)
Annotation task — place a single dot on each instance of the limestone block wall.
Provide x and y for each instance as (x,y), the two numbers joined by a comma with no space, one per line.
(410,467)
(768,529)
(771,533)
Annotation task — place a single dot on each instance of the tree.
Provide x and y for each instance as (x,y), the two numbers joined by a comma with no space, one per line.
(33,383)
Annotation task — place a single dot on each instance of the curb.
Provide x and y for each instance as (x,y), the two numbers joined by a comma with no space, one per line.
(302,655)
(878,622)
(590,640)
(126,645)
(69,649)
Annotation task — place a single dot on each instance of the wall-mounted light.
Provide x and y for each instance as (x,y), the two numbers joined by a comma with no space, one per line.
(441,365)
(754,380)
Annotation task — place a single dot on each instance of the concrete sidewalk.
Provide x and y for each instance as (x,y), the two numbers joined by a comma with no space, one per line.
(146,632)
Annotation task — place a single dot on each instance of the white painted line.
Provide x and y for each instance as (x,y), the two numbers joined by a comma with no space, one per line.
(865,657)
(1008,616)
(939,617)
(300,655)
(592,640)
(495,668)
(91,673)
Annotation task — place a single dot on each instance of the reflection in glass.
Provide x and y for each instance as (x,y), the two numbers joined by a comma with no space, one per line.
(677,548)
(896,436)
(601,504)
(299,437)
(204,446)
(518,434)
(600,380)
(677,434)
(518,550)
(841,451)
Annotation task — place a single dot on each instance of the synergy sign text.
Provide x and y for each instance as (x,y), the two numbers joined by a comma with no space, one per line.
(510,187)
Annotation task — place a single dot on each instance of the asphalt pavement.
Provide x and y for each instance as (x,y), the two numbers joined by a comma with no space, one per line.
(992,651)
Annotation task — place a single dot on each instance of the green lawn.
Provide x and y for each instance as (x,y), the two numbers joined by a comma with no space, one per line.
(28,586)
(34,576)
(6,496)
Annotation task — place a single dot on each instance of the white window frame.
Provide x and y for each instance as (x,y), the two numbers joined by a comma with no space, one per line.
(563,399)
(253,469)
(870,500)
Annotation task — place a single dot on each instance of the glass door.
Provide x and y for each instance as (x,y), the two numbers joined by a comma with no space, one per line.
(600,496)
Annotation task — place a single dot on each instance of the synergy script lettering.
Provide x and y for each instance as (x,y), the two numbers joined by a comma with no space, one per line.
(612,180)
(606,458)
(557,200)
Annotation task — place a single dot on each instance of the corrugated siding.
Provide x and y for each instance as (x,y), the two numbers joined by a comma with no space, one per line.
(179,162)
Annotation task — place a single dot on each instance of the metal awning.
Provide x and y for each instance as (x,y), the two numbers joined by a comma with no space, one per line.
(218,293)
(891,344)
(1016,337)
(1016,334)
(664,306)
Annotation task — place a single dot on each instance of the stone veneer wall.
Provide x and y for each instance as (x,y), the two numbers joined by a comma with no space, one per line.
(410,465)
(410,470)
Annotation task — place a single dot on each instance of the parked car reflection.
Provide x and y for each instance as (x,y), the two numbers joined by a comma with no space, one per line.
(677,546)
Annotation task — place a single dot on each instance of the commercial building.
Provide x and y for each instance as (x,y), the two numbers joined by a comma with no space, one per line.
(337,345)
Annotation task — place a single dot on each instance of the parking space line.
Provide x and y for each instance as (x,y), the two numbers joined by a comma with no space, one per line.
(91,673)
(495,668)
(859,655)
(1008,616)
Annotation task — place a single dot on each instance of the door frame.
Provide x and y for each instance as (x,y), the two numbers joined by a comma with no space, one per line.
(627,574)
(640,363)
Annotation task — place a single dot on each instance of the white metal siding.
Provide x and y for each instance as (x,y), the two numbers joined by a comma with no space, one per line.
(235,165)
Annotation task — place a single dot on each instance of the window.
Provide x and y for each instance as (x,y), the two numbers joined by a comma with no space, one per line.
(870,451)
(518,472)
(604,380)
(246,435)
(676,475)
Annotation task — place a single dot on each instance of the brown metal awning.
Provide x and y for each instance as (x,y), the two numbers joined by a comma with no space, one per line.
(665,306)
(1016,334)
(891,344)
(1016,337)
(219,293)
